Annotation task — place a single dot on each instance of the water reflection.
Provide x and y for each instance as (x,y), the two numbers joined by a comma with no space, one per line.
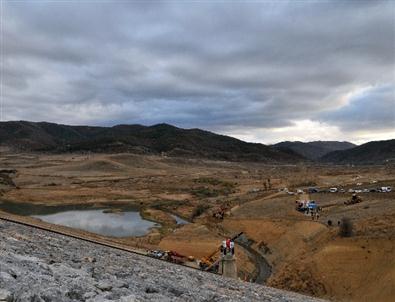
(124,224)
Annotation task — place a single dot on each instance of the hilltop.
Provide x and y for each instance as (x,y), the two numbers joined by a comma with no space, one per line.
(314,150)
(377,152)
(157,139)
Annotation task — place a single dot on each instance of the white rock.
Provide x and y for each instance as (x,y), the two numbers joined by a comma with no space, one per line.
(104,286)
(5,295)
(131,298)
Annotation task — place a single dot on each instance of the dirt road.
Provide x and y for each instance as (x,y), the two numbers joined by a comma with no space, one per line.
(263,268)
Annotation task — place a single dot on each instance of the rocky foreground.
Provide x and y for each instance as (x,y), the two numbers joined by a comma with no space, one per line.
(38,266)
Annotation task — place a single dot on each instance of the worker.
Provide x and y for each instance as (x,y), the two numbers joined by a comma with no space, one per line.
(223,247)
(228,241)
(232,247)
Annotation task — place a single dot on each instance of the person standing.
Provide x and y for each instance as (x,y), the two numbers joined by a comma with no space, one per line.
(232,247)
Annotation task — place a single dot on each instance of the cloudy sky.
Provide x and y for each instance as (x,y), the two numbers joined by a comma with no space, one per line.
(261,71)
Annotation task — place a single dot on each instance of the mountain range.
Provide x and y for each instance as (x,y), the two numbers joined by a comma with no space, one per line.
(157,139)
(314,150)
(375,152)
(173,141)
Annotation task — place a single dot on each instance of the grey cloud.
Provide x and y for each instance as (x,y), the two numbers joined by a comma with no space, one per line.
(369,110)
(210,65)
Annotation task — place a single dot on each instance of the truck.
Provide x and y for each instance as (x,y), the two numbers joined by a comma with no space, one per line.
(385,189)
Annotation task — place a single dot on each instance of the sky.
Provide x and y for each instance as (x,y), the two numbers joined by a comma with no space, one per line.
(261,71)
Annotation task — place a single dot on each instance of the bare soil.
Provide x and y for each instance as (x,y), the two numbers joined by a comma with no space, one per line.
(306,256)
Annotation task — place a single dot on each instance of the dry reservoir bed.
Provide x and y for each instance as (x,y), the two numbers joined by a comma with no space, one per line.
(305,256)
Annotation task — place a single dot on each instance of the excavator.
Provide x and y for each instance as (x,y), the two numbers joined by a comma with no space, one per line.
(354,199)
(211,261)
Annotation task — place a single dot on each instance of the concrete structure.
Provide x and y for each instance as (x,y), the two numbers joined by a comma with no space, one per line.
(227,266)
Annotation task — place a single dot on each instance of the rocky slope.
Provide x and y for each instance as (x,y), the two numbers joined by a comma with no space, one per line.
(41,266)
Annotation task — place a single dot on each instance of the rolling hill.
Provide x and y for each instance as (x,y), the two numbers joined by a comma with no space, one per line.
(314,150)
(157,139)
(376,152)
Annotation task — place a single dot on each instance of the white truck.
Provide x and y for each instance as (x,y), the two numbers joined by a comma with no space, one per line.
(385,189)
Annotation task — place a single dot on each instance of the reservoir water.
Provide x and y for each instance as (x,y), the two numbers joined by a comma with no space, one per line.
(124,224)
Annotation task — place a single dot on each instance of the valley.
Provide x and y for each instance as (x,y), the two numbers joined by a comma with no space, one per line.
(303,255)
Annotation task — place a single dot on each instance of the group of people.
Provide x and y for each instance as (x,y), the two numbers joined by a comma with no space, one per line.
(309,208)
(315,214)
(228,246)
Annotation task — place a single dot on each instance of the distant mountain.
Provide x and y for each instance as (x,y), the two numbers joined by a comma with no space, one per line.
(314,150)
(375,152)
(157,139)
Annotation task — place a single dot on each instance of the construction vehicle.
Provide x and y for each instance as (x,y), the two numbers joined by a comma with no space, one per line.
(173,256)
(306,205)
(211,261)
(354,199)
(207,261)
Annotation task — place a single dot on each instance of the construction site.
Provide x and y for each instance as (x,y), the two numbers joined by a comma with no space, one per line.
(280,225)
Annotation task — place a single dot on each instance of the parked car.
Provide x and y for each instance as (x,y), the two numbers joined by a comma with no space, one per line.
(312,190)
(156,254)
(351,191)
(333,190)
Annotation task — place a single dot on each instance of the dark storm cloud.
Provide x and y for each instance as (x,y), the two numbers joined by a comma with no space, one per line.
(214,65)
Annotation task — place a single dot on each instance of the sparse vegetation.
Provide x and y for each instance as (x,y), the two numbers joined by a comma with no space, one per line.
(220,187)
(208,180)
(307,183)
(204,192)
(199,210)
